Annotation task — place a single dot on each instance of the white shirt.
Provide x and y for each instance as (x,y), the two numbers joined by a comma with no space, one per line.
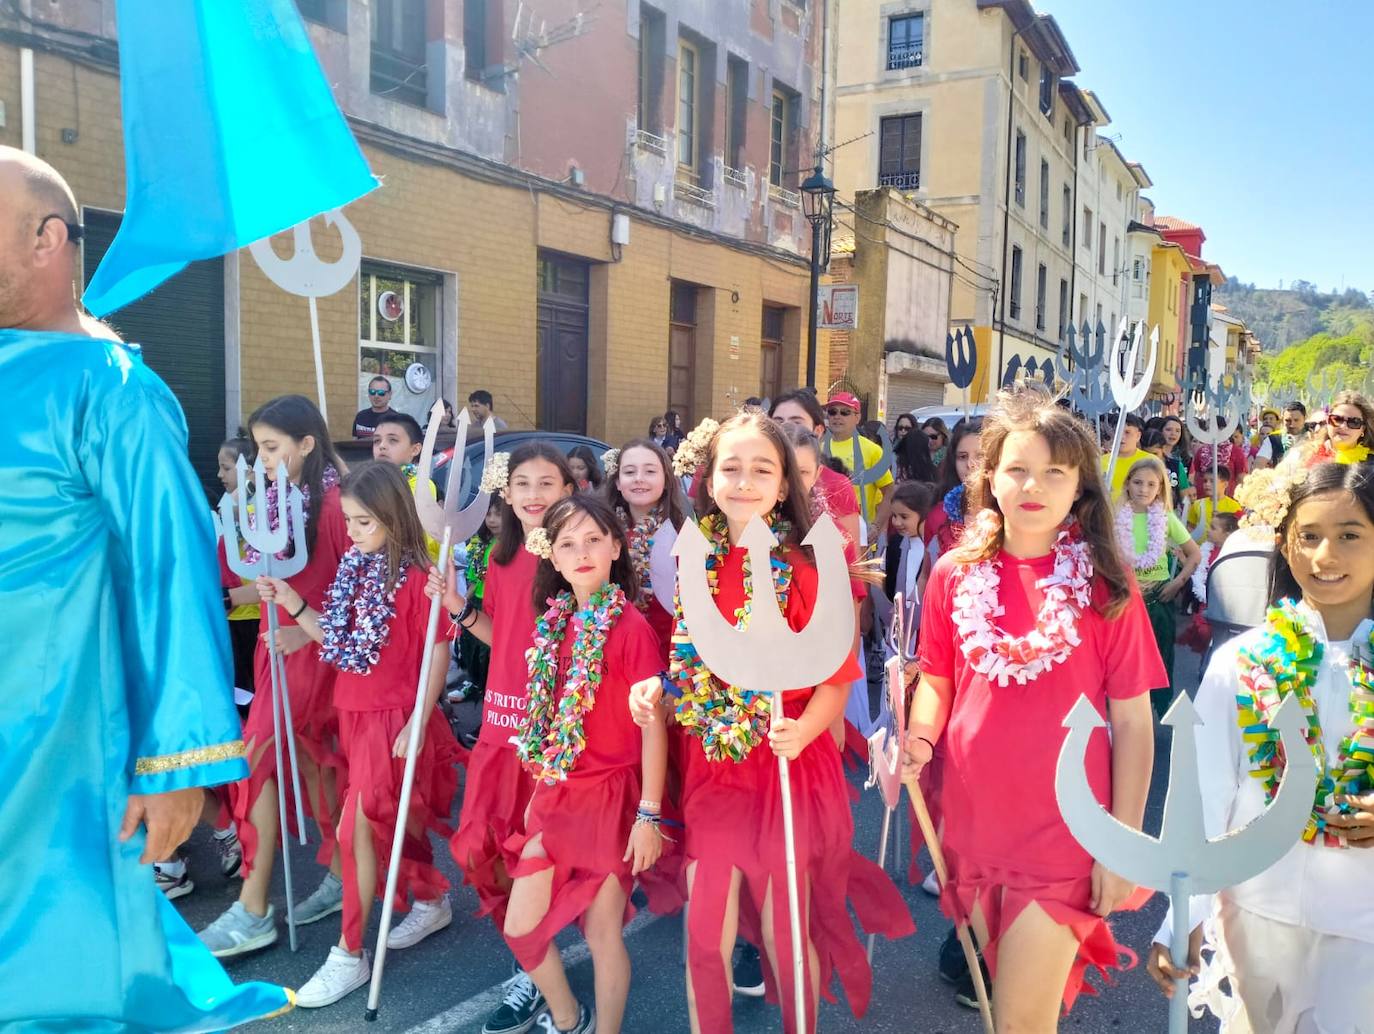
(909,569)
(1328,890)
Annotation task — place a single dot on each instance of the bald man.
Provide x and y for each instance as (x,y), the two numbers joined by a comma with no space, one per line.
(116,705)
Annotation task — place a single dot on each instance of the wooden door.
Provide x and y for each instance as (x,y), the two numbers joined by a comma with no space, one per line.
(562,344)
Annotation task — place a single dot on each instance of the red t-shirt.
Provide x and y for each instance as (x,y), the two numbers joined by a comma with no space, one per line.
(833,493)
(631,655)
(391,682)
(508,600)
(801,601)
(1002,743)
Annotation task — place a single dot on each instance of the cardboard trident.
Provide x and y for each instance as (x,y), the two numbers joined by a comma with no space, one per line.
(448,524)
(257,531)
(1128,388)
(766,656)
(1183,861)
(961,360)
(1082,363)
(860,475)
(1221,402)
(309,276)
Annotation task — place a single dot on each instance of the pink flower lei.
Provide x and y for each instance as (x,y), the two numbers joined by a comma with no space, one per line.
(1003,658)
(1156,523)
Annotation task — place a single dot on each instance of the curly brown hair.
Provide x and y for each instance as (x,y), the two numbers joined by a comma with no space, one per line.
(1072,444)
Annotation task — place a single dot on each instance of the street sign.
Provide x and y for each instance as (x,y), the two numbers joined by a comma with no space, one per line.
(839,307)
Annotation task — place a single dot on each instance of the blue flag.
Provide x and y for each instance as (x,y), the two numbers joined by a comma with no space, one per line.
(230,135)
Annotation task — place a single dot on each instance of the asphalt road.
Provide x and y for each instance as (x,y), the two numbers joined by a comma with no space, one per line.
(451,981)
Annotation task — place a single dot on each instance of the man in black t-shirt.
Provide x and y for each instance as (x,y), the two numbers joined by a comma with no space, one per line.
(379,398)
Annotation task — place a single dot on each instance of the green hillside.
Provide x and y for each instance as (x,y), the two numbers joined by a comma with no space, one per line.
(1342,351)
(1282,318)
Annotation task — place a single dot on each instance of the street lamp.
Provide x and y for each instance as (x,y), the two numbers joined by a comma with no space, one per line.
(818,198)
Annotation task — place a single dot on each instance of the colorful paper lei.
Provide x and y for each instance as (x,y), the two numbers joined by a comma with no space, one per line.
(328,481)
(553,735)
(1002,658)
(1156,524)
(1286,661)
(641,538)
(729,721)
(1333,452)
(356,620)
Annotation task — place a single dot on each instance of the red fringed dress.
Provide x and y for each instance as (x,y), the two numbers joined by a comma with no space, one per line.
(585,820)
(373,709)
(497,788)
(310,686)
(733,817)
(1007,852)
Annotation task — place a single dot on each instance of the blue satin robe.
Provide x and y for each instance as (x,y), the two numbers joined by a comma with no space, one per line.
(114,679)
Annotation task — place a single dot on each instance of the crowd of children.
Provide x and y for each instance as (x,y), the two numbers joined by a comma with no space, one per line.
(609,754)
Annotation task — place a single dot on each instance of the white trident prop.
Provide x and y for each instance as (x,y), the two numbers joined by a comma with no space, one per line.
(1129,389)
(768,657)
(860,475)
(1183,861)
(449,524)
(1223,404)
(269,541)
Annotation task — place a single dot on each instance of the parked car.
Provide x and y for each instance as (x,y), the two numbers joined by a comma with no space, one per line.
(951,415)
(356,450)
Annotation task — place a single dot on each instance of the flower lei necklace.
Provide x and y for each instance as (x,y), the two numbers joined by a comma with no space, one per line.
(729,721)
(1002,658)
(1286,661)
(1336,452)
(1156,523)
(554,734)
(641,538)
(954,503)
(328,481)
(356,620)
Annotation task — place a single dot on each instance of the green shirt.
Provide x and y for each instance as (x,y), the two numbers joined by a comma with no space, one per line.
(1175,534)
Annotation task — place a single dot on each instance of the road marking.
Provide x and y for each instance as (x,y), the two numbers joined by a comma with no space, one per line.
(480,1005)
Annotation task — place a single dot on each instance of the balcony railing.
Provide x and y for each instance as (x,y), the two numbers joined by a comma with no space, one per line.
(736,178)
(688,192)
(901,180)
(905,55)
(790,198)
(651,142)
(399,77)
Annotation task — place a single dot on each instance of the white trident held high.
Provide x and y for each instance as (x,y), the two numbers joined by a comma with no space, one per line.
(1129,389)
(269,535)
(1183,861)
(766,656)
(449,524)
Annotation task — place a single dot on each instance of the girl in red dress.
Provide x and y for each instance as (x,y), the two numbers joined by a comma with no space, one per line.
(644,495)
(371,628)
(1032,609)
(497,789)
(290,430)
(593,819)
(732,805)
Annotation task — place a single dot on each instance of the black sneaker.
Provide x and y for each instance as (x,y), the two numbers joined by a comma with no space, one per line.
(964,992)
(586,1022)
(952,966)
(520,1008)
(748,971)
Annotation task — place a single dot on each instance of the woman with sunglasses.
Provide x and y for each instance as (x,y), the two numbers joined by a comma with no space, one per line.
(1347,436)
(937,436)
(906,423)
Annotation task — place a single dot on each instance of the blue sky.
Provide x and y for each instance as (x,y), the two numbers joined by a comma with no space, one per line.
(1254,119)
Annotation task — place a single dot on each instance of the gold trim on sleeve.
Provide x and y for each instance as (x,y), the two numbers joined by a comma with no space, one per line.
(189,758)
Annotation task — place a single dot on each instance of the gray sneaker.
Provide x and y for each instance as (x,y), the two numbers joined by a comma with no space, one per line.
(238,931)
(325,901)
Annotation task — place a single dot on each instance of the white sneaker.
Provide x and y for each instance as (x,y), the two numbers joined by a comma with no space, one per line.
(424,918)
(340,976)
(931,884)
(173,884)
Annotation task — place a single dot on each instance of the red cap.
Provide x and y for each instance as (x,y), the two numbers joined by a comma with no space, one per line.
(844,398)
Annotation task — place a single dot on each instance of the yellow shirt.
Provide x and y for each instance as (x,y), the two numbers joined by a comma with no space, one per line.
(1123,468)
(247,612)
(1201,511)
(869,495)
(430,545)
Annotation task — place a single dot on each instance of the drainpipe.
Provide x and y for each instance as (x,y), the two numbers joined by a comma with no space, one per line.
(1073,233)
(26,101)
(1006,215)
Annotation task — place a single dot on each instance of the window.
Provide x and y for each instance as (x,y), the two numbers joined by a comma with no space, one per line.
(315,10)
(770,352)
(1067,231)
(1088,229)
(399,71)
(1021,168)
(1112,325)
(1099,315)
(1089,142)
(1068,131)
(1046,91)
(1023,66)
(905,41)
(899,152)
(682,348)
(1136,269)
(783,123)
(1118,190)
(687,109)
(1116,260)
(1065,317)
(1015,299)
(1044,194)
(398,326)
(1083,308)
(737,105)
(652,26)
(1101,249)
(475,39)
(1041,284)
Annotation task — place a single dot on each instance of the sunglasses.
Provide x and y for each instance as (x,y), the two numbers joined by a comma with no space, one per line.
(1355,423)
(934,436)
(839,411)
(378,392)
(75,231)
